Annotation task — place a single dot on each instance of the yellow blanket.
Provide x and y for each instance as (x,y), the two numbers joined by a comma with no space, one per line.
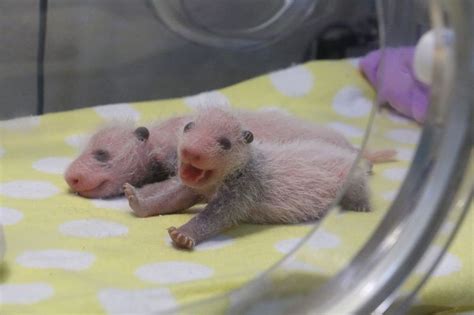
(66,254)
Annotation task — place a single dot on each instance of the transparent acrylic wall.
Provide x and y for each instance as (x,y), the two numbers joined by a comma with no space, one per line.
(378,277)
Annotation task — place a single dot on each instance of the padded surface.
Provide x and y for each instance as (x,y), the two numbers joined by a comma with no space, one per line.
(67,254)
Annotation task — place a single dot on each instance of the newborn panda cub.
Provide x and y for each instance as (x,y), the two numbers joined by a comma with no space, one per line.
(245,181)
(121,153)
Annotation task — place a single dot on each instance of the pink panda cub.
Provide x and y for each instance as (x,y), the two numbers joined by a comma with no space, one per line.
(120,153)
(269,125)
(249,181)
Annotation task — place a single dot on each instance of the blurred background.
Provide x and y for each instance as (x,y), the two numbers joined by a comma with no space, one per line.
(64,54)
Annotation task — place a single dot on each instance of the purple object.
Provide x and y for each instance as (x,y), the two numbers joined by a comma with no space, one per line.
(395,82)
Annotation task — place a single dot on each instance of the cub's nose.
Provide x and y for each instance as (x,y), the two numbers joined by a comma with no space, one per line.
(189,155)
(75,181)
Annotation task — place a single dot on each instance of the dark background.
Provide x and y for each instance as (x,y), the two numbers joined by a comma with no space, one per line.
(109,51)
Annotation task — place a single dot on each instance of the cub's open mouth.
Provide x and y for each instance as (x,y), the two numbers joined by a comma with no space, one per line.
(92,192)
(191,174)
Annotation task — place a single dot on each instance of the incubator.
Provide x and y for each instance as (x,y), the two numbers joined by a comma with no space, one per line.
(57,56)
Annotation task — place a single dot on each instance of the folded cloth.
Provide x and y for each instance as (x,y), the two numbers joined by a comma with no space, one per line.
(390,71)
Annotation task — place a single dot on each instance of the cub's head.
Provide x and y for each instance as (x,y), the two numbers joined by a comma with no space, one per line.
(114,155)
(212,145)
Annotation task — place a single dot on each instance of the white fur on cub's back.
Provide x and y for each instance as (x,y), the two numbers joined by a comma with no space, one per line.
(280,126)
(301,180)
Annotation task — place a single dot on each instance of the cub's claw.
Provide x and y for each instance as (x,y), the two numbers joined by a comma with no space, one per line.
(133,200)
(180,239)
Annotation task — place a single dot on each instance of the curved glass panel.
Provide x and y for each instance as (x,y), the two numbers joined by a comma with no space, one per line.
(251,24)
(374,278)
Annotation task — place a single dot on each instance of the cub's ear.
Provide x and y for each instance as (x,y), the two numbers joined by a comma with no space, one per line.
(142,133)
(247,136)
(188,126)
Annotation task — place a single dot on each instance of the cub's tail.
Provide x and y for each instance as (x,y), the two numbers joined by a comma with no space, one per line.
(380,156)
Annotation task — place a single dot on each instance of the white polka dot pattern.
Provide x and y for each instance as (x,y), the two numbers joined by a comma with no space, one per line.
(323,239)
(117,112)
(287,245)
(350,102)
(212,98)
(347,130)
(354,62)
(293,264)
(28,189)
(395,173)
(25,293)
(320,240)
(389,195)
(56,258)
(405,136)
(394,117)
(447,228)
(405,154)
(21,124)
(296,81)
(77,141)
(118,204)
(448,264)
(9,216)
(217,242)
(173,272)
(93,228)
(145,301)
(52,165)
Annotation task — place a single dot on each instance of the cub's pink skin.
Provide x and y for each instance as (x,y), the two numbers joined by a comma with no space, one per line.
(258,182)
(166,197)
(279,126)
(120,153)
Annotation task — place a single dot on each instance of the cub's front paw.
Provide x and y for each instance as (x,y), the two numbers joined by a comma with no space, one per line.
(134,201)
(180,239)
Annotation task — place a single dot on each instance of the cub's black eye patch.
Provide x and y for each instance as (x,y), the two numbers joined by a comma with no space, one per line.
(142,133)
(248,136)
(224,143)
(188,126)
(101,155)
